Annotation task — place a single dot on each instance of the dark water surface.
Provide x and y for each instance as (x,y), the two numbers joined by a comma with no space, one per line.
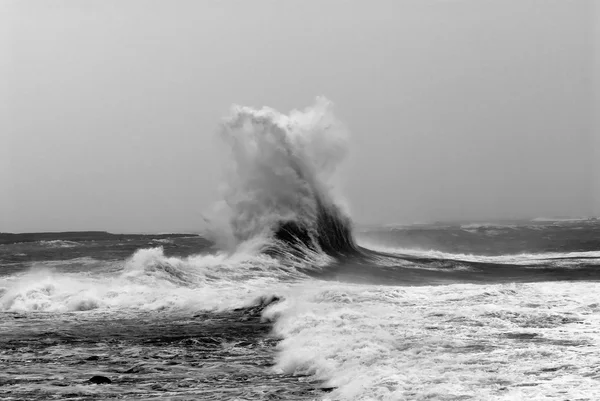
(209,356)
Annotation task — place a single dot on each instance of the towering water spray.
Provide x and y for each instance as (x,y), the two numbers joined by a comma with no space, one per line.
(279,190)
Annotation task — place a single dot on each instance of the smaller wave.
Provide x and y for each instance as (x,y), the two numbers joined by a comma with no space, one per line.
(476,226)
(85,263)
(562,259)
(560,219)
(149,280)
(163,240)
(59,244)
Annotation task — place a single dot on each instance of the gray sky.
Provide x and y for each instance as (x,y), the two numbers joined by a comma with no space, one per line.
(458,109)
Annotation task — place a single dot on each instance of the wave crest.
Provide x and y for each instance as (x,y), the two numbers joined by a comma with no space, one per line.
(280,189)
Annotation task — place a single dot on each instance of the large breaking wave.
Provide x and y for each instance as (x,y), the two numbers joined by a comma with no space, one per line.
(280,190)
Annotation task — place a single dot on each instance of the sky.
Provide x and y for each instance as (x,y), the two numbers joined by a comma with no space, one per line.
(458,109)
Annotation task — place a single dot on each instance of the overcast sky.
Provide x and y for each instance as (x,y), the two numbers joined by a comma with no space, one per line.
(458,109)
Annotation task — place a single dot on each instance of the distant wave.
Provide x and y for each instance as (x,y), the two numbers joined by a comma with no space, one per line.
(475,226)
(163,240)
(59,244)
(522,259)
(559,219)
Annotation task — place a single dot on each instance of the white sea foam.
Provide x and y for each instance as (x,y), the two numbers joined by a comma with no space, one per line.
(148,280)
(496,342)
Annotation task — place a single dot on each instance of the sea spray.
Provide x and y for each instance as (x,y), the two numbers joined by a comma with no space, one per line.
(279,190)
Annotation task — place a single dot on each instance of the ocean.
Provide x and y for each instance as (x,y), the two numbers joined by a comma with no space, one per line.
(283,297)
(488,311)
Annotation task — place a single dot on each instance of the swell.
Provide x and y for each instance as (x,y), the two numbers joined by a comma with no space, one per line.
(376,267)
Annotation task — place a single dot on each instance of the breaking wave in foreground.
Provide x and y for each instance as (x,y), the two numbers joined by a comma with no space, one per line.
(283,231)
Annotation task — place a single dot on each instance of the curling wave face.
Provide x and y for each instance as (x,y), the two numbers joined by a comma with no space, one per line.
(280,187)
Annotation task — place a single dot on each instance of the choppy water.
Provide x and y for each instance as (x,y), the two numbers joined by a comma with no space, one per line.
(171,318)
